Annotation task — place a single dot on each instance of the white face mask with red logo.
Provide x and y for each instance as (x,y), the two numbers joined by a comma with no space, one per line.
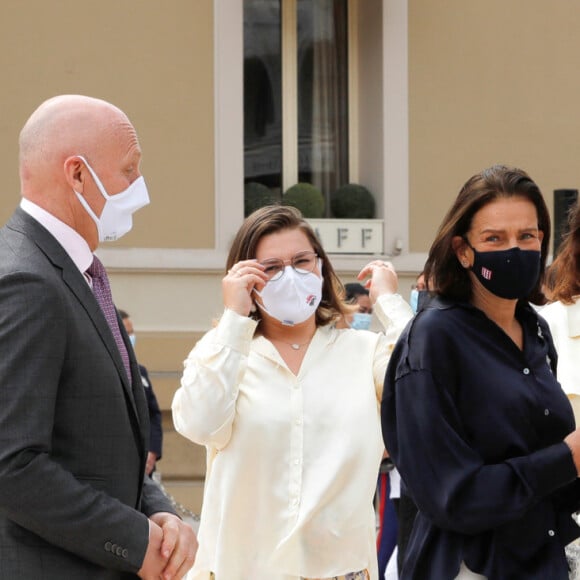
(293,298)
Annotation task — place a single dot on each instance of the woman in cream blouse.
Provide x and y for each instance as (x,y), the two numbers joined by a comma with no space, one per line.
(563,313)
(287,407)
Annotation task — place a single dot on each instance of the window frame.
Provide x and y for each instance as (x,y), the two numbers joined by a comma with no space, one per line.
(392,195)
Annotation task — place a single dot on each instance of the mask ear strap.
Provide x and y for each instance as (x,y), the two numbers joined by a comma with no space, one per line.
(467,242)
(87,207)
(96,178)
(464,261)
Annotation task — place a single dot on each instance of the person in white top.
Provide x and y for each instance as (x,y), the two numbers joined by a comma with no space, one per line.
(563,312)
(287,407)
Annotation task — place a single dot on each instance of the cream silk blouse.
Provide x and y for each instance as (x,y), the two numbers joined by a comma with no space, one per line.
(292,461)
(564,322)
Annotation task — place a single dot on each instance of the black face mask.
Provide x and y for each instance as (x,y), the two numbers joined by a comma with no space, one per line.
(510,274)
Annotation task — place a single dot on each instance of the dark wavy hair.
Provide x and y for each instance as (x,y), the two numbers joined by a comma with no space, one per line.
(274,218)
(563,276)
(443,272)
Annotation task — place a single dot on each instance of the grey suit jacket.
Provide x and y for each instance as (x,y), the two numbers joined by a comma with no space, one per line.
(73,432)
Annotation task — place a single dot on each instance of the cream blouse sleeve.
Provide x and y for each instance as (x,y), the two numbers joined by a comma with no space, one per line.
(204,405)
(394,314)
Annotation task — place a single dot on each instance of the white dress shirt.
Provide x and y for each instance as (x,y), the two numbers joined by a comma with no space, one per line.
(292,461)
(564,321)
(72,242)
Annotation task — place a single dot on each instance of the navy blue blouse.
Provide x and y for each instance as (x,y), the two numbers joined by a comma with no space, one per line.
(476,428)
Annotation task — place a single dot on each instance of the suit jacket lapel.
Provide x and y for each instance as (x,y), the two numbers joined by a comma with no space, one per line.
(24,223)
(137,386)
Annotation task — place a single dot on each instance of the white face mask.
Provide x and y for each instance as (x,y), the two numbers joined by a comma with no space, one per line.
(293,298)
(117,216)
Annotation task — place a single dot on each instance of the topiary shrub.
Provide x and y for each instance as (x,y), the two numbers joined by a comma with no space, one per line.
(257,195)
(352,201)
(307,198)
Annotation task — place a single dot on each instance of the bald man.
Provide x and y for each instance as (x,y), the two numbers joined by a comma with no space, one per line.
(74,502)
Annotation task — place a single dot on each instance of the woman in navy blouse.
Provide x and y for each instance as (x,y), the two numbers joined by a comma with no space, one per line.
(472,413)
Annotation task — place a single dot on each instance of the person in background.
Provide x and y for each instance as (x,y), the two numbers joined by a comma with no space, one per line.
(563,312)
(357,295)
(418,293)
(74,498)
(563,316)
(287,407)
(155,418)
(473,416)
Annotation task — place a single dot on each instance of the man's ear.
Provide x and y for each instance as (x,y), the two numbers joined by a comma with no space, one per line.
(462,251)
(74,174)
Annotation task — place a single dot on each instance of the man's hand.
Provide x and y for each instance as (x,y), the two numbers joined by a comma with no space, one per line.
(153,563)
(178,546)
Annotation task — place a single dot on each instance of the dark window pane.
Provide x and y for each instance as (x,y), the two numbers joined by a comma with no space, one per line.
(323,94)
(262,100)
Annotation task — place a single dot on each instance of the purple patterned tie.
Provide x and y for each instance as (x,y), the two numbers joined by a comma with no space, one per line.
(102,292)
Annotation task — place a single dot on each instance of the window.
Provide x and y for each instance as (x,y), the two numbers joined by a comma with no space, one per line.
(262,93)
(296,114)
(378,119)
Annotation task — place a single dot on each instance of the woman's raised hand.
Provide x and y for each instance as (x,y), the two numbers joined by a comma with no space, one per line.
(383,279)
(238,284)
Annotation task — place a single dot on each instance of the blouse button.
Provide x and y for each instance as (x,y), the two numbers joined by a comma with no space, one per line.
(546,412)
(551,533)
(526,371)
(298,421)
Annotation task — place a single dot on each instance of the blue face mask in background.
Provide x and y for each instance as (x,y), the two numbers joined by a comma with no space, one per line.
(361,321)
(414,300)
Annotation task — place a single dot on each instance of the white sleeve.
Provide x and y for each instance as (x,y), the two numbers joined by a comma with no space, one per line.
(204,406)
(394,314)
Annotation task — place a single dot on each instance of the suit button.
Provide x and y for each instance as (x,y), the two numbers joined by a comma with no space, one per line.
(108,546)
(113,548)
(125,553)
(119,550)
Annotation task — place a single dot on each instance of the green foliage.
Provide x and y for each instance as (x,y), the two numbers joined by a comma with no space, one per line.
(352,201)
(257,195)
(307,198)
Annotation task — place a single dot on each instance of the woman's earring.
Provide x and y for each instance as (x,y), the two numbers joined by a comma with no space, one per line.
(253,308)
(465,263)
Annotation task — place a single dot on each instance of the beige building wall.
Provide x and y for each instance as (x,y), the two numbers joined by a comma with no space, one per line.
(490,82)
(153,60)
